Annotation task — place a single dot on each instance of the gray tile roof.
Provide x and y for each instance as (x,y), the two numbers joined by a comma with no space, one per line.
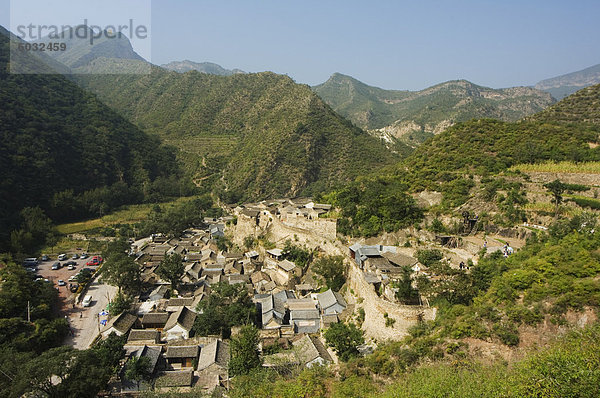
(182,351)
(184,317)
(311,348)
(304,314)
(181,378)
(122,322)
(143,335)
(287,265)
(329,298)
(155,318)
(215,352)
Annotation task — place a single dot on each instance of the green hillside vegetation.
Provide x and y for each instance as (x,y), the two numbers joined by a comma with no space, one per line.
(581,107)
(254,135)
(449,162)
(555,274)
(69,154)
(420,114)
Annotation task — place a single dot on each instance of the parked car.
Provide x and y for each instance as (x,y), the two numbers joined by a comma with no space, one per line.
(71,267)
(94,261)
(31,269)
(61,282)
(30,262)
(45,257)
(74,287)
(62,257)
(75,256)
(87,300)
(84,255)
(71,263)
(56,266)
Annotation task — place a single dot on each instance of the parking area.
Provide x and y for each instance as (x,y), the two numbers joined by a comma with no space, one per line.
(84,321)
(45,271)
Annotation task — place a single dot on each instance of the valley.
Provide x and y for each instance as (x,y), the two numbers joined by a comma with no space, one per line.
(254,236)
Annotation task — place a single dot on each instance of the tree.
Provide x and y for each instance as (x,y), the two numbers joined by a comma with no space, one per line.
(39,374)
(171,268)
(245,355)
(122,271)
(332,270)
(226,306)
(138,369)
(344,338)
(406,293)
(301,256)
(556,188)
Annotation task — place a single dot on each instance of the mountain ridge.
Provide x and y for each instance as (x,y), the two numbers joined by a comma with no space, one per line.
(565,85)
(204,67)
(413,116)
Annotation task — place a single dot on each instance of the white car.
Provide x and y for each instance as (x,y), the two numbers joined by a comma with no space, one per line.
(62,257)
(61,282)
(87,300)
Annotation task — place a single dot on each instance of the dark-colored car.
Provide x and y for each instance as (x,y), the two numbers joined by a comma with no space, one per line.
(70,263)
(45,257)
(56,266)
(75,256)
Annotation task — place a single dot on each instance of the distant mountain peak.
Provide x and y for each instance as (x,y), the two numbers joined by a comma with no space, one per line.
(413,116)
(565,85)
(203,67)
(81,53)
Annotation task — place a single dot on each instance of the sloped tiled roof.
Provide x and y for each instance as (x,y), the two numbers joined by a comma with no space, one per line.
(182,351)
(287,265)
(304,314)
(155,318)
(143,335)
(329,298)
(122,322)
(310,349)
(215,352)
(184,317)
(180,378)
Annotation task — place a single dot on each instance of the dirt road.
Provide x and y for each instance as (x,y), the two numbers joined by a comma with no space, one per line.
(85,322)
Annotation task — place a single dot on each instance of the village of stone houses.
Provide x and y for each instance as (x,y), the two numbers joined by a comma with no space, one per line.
(293,305)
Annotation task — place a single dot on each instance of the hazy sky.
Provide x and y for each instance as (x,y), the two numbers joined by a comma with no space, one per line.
(391,44)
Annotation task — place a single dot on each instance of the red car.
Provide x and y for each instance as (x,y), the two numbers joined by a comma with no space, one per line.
(96,260)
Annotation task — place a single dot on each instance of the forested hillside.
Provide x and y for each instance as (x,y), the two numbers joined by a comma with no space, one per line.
(413,116)
(253,135)
(63,150)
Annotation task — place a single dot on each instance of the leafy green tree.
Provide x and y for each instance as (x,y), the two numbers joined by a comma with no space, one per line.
(344,339)
(249,242)
(138,369)
(301,256)
(332,270)
(226,306)
(119,304)
(556,188)
(122,271)
(245,355)
(406,293)
(171,268)
(84,276)
(429,257)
